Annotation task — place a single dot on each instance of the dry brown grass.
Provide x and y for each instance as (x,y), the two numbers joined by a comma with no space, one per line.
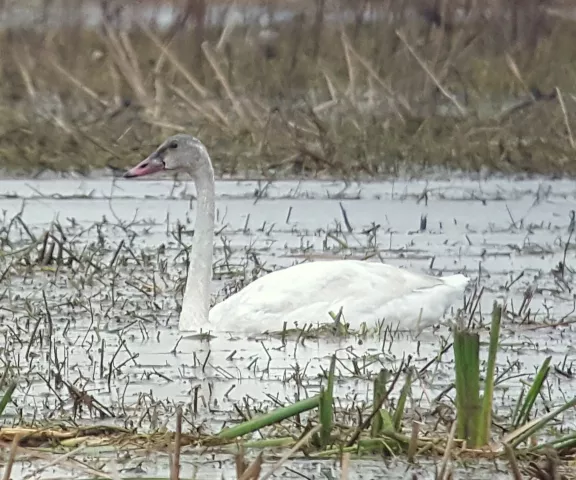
(321,98)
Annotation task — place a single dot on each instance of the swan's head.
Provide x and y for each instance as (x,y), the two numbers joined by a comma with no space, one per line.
(177,153)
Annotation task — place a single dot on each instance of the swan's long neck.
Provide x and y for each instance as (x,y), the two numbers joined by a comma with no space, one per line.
(196,302)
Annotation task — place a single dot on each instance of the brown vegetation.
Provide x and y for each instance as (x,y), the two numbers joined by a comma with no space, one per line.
(400,86)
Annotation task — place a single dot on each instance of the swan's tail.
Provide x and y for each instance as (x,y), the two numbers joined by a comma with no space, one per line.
(456,281)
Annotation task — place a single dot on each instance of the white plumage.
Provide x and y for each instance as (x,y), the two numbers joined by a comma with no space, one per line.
(368,292)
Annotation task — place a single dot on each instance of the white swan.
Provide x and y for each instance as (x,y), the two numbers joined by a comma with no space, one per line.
(303,294)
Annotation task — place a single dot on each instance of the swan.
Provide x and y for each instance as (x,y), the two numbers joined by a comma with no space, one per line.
(368,292)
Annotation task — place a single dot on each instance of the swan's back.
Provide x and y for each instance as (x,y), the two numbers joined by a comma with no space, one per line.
(367,292)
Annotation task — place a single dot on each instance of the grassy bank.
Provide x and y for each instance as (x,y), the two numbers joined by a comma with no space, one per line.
(487,90)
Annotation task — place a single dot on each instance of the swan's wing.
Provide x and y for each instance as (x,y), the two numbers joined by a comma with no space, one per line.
(305,293)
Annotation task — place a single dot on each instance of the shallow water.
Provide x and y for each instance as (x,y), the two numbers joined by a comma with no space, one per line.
(164,15)
(90,14)
(221,467)
(491,231)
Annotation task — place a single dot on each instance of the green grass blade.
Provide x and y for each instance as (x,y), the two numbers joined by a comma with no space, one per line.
(270,418)
(486,412)
(528,403)
(525,431)
(564,442)
(467,364)
(326,406)
(399,413)
(519,404)
(379,392)
(7,396)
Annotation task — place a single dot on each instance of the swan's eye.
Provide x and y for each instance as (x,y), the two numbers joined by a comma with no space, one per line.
(173,145)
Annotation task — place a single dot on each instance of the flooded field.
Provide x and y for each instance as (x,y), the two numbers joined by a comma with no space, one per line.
(97,309)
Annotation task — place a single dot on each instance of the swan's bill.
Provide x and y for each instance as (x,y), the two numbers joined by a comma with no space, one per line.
(151,164)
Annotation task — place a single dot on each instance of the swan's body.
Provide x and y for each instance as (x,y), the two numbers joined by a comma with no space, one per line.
(368,292)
